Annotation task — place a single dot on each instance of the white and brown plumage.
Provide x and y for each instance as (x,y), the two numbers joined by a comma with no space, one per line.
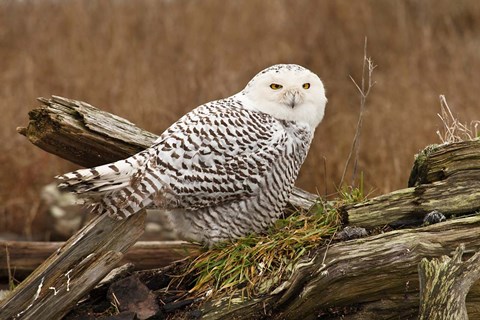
(226,168)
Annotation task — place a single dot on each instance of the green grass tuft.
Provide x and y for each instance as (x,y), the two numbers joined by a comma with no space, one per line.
(351,194)
(256,263)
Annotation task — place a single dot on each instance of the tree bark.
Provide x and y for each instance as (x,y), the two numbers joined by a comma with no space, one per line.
(369,278)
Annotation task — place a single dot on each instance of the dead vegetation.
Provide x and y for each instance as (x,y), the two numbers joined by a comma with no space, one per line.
(453,129)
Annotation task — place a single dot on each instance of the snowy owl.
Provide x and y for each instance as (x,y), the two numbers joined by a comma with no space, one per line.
(226,168)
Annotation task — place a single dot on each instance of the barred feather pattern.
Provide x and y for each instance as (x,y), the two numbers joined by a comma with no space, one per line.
(223,170)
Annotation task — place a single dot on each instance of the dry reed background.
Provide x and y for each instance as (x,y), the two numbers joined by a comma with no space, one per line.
(152,61)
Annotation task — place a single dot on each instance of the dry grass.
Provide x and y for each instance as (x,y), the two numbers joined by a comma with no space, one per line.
(453,130)
(151,61)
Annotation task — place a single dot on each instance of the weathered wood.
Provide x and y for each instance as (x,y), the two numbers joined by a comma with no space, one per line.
(439,162)
(25,256)
(456,195)
(445,178)
(83,134)
(376,277)
(444,284)
(70,272)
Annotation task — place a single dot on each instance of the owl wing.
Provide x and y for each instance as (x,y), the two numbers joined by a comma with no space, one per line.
(217,153)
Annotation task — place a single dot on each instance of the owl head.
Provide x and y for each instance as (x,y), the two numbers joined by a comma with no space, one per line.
(287,92)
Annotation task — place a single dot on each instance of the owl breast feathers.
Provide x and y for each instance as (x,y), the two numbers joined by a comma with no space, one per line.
(225,169)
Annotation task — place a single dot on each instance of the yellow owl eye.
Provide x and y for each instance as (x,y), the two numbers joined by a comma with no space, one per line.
(306,86)
(276,86)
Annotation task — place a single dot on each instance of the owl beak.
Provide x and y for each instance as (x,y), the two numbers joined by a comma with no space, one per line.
(292,98)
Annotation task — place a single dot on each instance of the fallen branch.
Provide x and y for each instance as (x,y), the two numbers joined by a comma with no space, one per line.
(25,256)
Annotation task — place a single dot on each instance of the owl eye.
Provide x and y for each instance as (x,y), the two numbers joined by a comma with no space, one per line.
(306,86)
(276,86)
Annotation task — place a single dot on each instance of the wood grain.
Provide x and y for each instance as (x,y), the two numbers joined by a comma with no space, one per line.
(370,278)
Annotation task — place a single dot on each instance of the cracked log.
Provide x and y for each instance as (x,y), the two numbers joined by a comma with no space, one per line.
(456,195)
(445,178)
(439,162)
(370,278)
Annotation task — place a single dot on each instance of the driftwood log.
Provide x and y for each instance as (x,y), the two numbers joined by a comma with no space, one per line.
(445,178)
(370,278)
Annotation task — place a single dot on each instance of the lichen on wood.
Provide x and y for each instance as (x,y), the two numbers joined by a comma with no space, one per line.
(438,162)
(444,284)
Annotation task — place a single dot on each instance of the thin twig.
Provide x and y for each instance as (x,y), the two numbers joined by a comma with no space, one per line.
(325,175)
(115,303)
(364,90)
(11,282)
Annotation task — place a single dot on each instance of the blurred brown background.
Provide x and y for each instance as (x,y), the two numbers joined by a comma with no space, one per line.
(152,61)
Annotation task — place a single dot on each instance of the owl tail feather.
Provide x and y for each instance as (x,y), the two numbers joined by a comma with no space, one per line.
(97,180)
(117,188)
